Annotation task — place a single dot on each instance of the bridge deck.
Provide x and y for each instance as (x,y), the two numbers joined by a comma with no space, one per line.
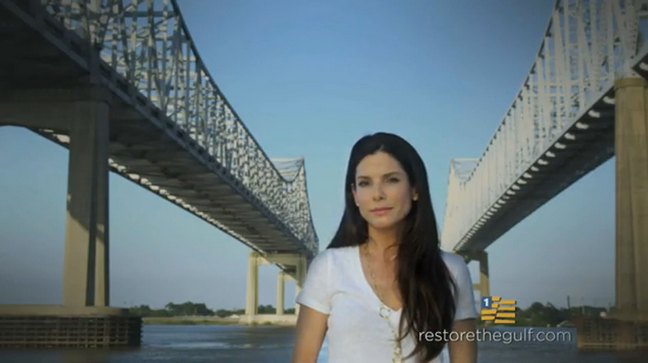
(145,146)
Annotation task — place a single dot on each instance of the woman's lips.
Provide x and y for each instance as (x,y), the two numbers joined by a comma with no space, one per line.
(380,211)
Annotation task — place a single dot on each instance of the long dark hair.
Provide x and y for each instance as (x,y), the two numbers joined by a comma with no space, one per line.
(424,281)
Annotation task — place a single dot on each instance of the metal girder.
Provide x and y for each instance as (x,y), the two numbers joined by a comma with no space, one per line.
(142,52)
(565,104)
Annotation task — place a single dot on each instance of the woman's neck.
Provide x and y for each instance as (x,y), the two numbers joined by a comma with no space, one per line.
(383,243)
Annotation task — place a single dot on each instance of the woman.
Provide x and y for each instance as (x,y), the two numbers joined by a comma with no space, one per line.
(383,282)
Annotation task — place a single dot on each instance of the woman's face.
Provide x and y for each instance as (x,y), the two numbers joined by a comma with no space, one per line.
(382,191)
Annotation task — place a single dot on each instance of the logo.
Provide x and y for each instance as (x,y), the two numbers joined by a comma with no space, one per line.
(498,311)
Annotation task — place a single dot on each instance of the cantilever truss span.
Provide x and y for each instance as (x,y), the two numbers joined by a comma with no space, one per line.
(559,126)
(172,131)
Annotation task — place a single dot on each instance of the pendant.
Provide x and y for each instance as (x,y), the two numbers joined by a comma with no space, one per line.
(384,312)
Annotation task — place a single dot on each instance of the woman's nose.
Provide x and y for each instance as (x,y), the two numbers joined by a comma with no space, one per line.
(378,192)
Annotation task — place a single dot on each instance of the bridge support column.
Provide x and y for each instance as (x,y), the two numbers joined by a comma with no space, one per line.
(252,300)
(81,112)
(290,259)
(300,277)
(252,291)
(484,284)
(281,283)
(85,271)
(631,150)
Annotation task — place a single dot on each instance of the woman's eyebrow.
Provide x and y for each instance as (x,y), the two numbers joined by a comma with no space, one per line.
(384,175)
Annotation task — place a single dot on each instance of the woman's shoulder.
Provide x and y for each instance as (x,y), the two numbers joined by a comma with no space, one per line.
(336,255)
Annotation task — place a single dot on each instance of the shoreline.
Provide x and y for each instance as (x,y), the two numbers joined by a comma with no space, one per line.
(205,320)
(189,320)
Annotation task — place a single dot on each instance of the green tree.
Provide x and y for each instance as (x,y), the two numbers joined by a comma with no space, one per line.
(188,308)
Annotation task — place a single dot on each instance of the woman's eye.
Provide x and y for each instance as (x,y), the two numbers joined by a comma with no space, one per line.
(362,183)
(393,180)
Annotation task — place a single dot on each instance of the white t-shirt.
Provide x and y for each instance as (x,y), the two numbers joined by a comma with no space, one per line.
(335,285)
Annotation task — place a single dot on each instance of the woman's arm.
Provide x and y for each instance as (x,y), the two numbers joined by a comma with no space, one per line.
(464,351)
(311,328)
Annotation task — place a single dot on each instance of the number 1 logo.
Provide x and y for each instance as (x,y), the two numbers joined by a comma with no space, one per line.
(486,302)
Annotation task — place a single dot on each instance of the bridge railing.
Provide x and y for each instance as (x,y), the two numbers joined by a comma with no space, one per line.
(148,43)
(586,44)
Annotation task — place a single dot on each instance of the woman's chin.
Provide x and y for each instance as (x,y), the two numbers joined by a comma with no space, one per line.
(382,225)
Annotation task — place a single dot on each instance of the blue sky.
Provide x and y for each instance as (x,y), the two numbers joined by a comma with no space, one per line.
(308,79)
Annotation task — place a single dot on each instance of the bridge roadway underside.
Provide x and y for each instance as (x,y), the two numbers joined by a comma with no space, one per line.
(585,149)
(42,76)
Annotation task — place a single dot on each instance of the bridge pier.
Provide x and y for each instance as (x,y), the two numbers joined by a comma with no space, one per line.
(484,284)
(627,326)
(252,289)
(631,149)
(85,276)
(81,113)
(281,286)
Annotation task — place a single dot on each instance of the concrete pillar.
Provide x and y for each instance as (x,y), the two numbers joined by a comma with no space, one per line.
(484,284)
(300,277)
(102,252)
(82,112)
(85,270)
(281,283)
(631,150)
(287,259)
(252,292)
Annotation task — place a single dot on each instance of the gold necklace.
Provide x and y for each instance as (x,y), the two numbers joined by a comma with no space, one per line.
(384,311)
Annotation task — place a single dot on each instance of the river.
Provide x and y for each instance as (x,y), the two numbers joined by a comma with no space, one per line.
(231,343)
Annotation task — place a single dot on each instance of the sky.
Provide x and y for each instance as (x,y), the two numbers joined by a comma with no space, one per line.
(309,79)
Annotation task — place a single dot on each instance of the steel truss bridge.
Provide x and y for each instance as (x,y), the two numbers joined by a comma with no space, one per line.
(559,127)
(171,130)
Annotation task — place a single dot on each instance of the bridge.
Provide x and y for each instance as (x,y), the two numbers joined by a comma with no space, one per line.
(122,86)
(583,101)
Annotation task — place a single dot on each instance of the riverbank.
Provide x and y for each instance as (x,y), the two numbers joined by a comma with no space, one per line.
(191,320)
(261,319)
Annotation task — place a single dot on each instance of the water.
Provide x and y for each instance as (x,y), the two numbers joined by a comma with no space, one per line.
(214,343)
